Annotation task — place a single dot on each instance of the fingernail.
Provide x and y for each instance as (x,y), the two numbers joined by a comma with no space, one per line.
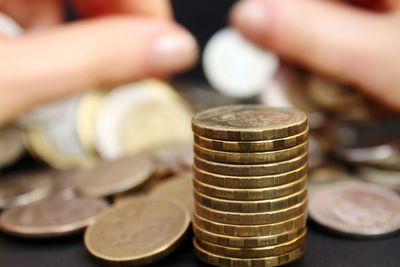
(250,15)
(173,52)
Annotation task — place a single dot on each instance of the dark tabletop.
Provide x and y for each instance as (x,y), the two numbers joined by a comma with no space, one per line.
(323,249)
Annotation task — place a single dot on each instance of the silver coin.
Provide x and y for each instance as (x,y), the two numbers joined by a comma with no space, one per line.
(387,178)
(356,209)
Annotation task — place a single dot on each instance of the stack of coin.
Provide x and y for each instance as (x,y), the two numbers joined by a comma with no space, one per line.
(250,171)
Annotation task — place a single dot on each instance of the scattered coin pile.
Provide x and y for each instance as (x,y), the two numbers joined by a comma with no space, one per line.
(250,171)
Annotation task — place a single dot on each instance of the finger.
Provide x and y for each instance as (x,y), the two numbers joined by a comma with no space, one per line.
(44,66)
(33,13)
(350,44)
(153,8)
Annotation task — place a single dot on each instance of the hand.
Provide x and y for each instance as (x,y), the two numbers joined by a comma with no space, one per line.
(355,45)
(135,39)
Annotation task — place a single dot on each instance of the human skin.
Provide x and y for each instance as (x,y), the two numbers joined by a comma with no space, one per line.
(360,46)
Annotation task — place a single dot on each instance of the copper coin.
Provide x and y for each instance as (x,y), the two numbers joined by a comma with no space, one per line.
(51,217)
(251,157)
(178,188)
(251,218)
(250,230)
(249,123)
(251,169)
(112,177)
(219,260)
(251,206)
(250,194)
(356,208)
(226,181)
(252,146)
(259,252)
(24,188)
(137,232)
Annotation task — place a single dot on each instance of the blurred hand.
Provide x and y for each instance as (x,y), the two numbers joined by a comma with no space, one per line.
(127,40)
(355,45)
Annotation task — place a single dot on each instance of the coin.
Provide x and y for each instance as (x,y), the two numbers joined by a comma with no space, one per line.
(251,206)
(51,217)
(11,145)
(250,194)
(116,176)
(250,158)
(249,181)
(235,66)
(251,169)
(252,146)
(179,189)
(388,178)
(174,159)
(219,260)
(23,188)
(137,232)
(122,124)
(247,242)
(356,208)
(259,252)
(250,230)
(250,218)
(248,123)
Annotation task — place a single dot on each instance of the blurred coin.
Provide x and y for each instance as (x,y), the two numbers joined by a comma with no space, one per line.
(251,218)
(219,260)
(250,230)
(64,184)
(250,157)
(87,110)
(24,188)
(327,174)
(255,146)
(178,189)
(174,159)
(11,146)
(356,209)
(250,194)
(249,253)
(222,180)
(51,217)
(137,232)
(247,242)
(248,123)
(251,206)
(112,177)
(388,178)
(251,169)
(129,119)
(236,67)
(148,126)
(9,27)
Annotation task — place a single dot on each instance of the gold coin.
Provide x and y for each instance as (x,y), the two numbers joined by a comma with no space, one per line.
(179,189)
(253,169)
(250,230)
(249,123)
(251,218)
(259,252)
(251,206)
(247,242)
(217,260)
(254,146)
(249,181)
(89,105)
(251,158)
(250,194)
(137,232)
(24,188)
(11,145)
(52,217)
(112,177)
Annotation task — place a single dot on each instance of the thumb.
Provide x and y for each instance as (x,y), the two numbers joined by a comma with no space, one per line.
(353,45)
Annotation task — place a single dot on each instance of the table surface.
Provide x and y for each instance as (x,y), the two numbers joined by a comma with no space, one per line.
(323,249)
